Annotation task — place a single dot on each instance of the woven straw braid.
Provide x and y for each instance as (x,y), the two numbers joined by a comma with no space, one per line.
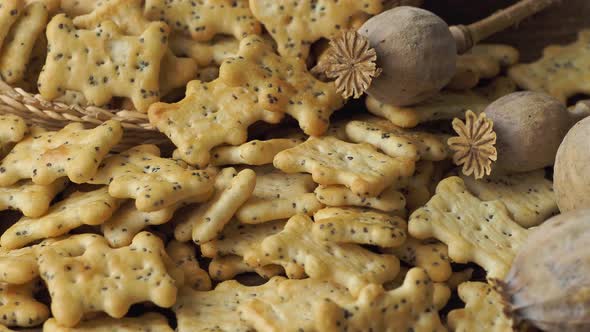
(55,115)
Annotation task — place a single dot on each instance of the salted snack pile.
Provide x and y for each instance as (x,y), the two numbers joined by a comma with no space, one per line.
(277,205)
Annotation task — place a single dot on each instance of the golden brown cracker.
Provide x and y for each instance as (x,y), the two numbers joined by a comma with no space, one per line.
(346,264)
(18,44)
(278,196)
(81,208)
(459,277)
(210,53)
(409,307)
(432,257)
(296,25)
(397,142)
(105,279)
(254,152)
(228,267)
(562,71)
(19,308)
(474,230)
(183,255)
(202,20)
(10,11)
(361,226)
(282,84)
(388,200)
(211,114)
(529,197)
(443,106)
(154,182)
(484,310)
(102,63)
(13,129)
(357,166)
(75,8)
(45,156)
(416,188)
(147,322)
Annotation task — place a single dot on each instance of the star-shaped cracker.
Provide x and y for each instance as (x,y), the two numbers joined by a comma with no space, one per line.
(562,71)
(18,44)
(397,142)
(89,61)
(529,197)
(432,257)
(150,321)
(484,310)
(155,183)
(388,200)
(346,264)
(210,53)
(228,267)
(361,226)
(12,130)
(474,230)
(254,152)
(407,308)
(106,279)
(31,199)
(282,84)
(443,106)
(183,255)
(278,196)
(295,25)
(81,208)
(359,167)
(18,307)
(211,114)
(45,156)
(202,20)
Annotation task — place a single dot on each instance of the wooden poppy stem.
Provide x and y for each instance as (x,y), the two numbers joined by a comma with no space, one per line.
(467,36)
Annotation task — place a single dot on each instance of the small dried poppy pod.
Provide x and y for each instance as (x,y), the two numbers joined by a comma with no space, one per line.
(549,282)
(416,51)
(529,128)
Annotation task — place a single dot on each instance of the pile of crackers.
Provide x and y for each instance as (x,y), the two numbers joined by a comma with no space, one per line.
(282,208)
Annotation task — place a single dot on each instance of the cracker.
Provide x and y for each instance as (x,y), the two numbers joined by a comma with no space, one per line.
(357,166)
(202,20)
(175,72)
(459,277)
(183,255)
(346,264)
(217,310)
(296,25)
(443,106)
(105,279)
(75,8)
(561,72)
(529,197)
(210,53)
(144,323)
(361,226)
(432,257)
(18,44)
(290,307)
(227,267)
(278,196)
(9,13)
(388,200)
(441,293)
(397,142)
(85,61)
(484,310)
(474,230)
(410,307)
(211,114)
(31,199)
(154,182)
(209,219)
(12,130)
(254,152)
(45,156)
(81,208)
(18,307)
(416,188)
(282,84)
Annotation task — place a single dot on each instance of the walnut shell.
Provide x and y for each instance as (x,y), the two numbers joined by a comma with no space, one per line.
(529,127)
(416,52)
(549,282)
(571,178)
